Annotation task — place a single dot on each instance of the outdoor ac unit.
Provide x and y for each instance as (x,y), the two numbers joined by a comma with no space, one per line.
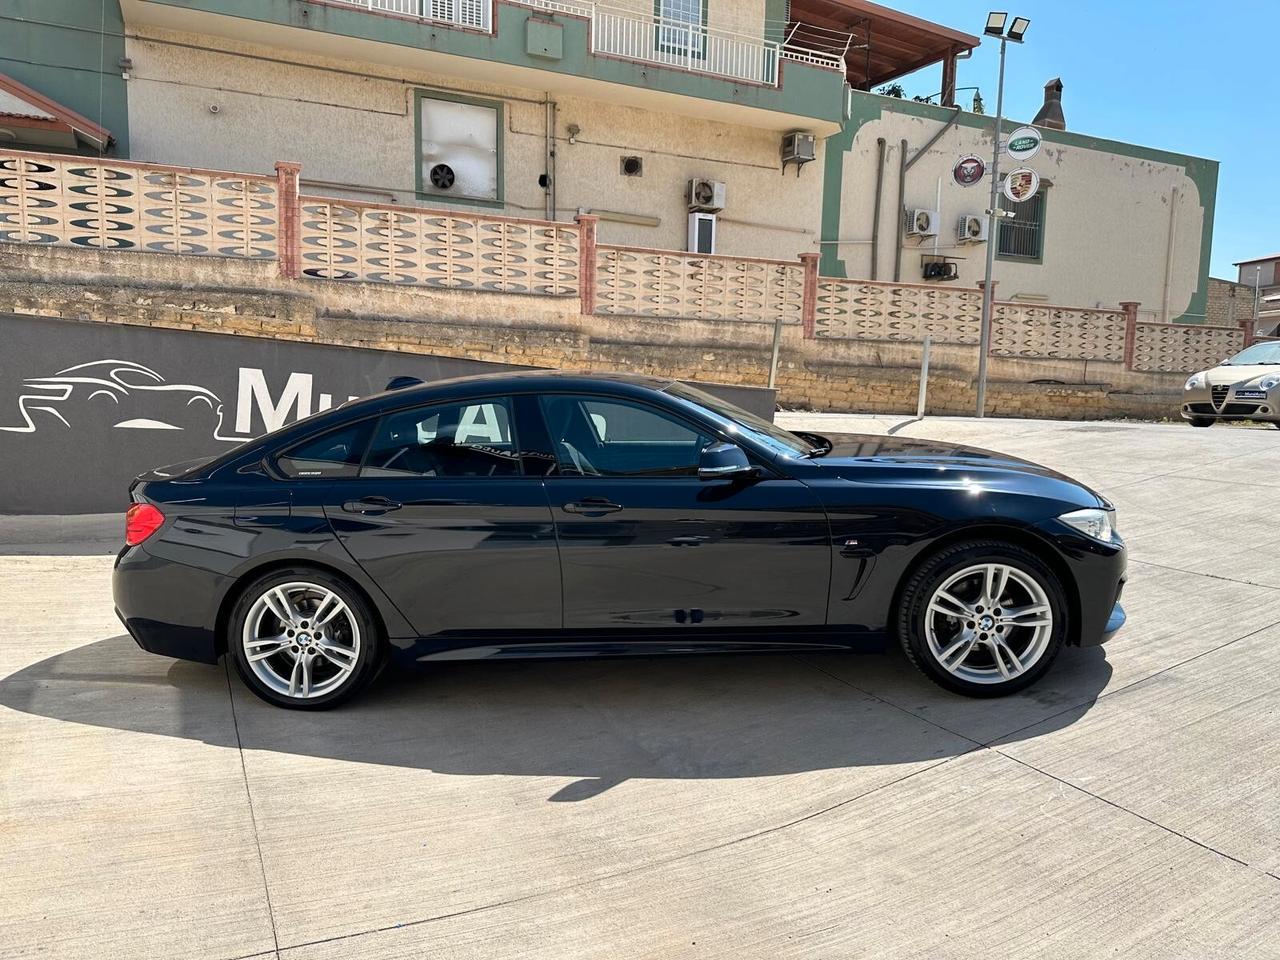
(798,148)
(706,195)
(922,223)
(702,233)
(971,229)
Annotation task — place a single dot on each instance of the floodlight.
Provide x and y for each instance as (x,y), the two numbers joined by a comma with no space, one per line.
(1018,28)
(995,23)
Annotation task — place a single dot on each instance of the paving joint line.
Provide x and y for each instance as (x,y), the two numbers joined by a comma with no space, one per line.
(629,871)
(253,817)
(1210,576)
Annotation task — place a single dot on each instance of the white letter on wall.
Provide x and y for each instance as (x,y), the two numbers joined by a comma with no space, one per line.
(254,392)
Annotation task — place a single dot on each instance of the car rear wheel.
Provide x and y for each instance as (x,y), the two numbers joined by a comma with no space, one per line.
(303,639)
(983,619)
(1200,421)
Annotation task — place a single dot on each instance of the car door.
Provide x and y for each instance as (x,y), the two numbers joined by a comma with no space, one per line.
(646,544)
(445,518)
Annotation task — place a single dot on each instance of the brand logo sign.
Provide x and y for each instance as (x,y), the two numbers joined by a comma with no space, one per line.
(969,170)
(1024,143)
(1021,184)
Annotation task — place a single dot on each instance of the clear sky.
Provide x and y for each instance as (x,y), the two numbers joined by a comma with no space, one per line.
(1192,77)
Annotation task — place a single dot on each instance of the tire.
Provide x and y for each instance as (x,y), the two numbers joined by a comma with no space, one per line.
(1200,421)
(1016,630)
(295,666)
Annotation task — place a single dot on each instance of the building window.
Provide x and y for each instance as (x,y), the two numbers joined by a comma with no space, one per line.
(1022,237)
(682,27)
(459,148)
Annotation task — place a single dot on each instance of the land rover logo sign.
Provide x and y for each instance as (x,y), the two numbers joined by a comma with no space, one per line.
(969,170)
(1021,184)
(1024,143)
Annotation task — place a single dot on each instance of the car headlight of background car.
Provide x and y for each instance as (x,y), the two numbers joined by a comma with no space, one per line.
(1093,522)
(1195,381)
(1270,381)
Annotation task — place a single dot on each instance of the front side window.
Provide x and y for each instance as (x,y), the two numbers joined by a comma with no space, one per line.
(594,437)
(469,439)
(333,454)
(1021,237)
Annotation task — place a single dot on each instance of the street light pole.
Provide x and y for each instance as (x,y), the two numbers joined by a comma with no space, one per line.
(993,214)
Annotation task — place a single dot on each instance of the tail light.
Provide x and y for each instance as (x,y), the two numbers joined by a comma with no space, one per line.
(140,522)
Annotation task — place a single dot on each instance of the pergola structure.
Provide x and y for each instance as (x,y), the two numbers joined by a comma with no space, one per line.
(885,44)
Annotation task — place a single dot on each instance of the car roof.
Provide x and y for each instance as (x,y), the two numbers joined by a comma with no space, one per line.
(536,380)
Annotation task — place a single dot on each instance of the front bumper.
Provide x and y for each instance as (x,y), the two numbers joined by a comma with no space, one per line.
(1237,403)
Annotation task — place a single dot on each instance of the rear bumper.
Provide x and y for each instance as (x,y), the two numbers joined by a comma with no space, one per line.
(168,608)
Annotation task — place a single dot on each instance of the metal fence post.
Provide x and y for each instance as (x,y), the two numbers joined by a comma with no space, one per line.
(777,344)
(924,377)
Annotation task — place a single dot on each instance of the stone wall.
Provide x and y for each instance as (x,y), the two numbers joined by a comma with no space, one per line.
(1229,302)
(248,297)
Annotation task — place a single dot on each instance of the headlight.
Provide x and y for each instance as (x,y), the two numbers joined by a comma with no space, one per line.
(1271,381)
(1099,524)
(1195,381)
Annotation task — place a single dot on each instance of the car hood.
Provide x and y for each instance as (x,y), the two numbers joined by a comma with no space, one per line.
(1243,375)
(900,460)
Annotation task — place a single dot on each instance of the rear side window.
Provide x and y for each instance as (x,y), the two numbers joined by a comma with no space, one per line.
(334,454)
(471,439)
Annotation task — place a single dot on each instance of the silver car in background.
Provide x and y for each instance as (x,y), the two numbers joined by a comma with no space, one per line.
(1246,387)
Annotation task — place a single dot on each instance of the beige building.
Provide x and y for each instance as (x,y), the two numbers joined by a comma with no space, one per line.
(548,109)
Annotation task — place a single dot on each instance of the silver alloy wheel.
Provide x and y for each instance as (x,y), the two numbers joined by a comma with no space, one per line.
(301,640)
(989,623)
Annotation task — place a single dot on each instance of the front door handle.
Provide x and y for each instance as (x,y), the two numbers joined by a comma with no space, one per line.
(371,505)
(687,541)
(592,506)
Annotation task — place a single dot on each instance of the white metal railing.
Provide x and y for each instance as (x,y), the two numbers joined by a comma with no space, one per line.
(684,45)
(477,14)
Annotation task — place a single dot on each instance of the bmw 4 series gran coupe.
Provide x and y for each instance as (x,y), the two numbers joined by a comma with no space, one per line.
(546,514)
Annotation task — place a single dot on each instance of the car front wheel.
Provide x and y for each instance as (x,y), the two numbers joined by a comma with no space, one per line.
(303,639)
(983,619)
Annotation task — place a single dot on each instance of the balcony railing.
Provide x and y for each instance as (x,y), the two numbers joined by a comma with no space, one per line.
(475,14)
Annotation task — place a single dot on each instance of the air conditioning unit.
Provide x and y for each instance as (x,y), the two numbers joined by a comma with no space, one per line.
(798,148)
(706,195)
(922,223)
(702,233)
(971,229)
(939,271)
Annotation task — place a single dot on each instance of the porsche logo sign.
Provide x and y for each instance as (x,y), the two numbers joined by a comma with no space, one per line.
(1021,184)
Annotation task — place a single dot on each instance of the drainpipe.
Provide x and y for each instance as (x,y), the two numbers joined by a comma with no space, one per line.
(549,164)
(904,166)
(1168,255)
(902,204)
(875,213)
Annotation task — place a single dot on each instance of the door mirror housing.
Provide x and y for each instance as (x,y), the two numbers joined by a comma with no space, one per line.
(723,461)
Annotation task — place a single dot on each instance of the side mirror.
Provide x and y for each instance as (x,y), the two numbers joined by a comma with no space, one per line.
(722,461)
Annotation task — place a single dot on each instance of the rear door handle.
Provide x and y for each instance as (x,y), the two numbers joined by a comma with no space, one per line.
(371,505)
(592,506)
(687,541)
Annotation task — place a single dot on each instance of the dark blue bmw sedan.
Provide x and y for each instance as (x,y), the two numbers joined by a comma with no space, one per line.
(558,515)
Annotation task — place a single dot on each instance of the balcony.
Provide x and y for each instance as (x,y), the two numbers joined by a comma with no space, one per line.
(678,44)
(570,48)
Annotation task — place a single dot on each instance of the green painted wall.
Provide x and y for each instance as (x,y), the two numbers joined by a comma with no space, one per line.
(70,50)
(806,91)
(865,107)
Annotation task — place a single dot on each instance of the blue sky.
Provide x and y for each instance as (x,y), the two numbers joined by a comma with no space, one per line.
(1185,76)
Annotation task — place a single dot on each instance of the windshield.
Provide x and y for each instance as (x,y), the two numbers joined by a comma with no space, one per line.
(1259,353)
(771,435)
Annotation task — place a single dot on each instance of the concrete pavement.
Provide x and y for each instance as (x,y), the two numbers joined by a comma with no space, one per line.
(819,806)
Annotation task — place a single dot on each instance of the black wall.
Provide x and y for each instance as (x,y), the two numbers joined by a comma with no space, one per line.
(70,443)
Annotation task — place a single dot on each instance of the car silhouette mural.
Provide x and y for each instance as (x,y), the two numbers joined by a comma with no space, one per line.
(116,394)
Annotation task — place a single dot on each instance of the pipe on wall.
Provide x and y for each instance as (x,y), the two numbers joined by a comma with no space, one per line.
(875,213)
(1168,255)
(902,206)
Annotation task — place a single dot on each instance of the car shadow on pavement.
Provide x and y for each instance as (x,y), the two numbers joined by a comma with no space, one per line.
(598,722)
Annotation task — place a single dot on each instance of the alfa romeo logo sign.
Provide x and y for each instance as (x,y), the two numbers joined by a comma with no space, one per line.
(969,170)
(1024,143)
(1021,184)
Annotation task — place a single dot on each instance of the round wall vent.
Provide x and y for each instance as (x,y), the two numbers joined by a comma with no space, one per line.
(441,176)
